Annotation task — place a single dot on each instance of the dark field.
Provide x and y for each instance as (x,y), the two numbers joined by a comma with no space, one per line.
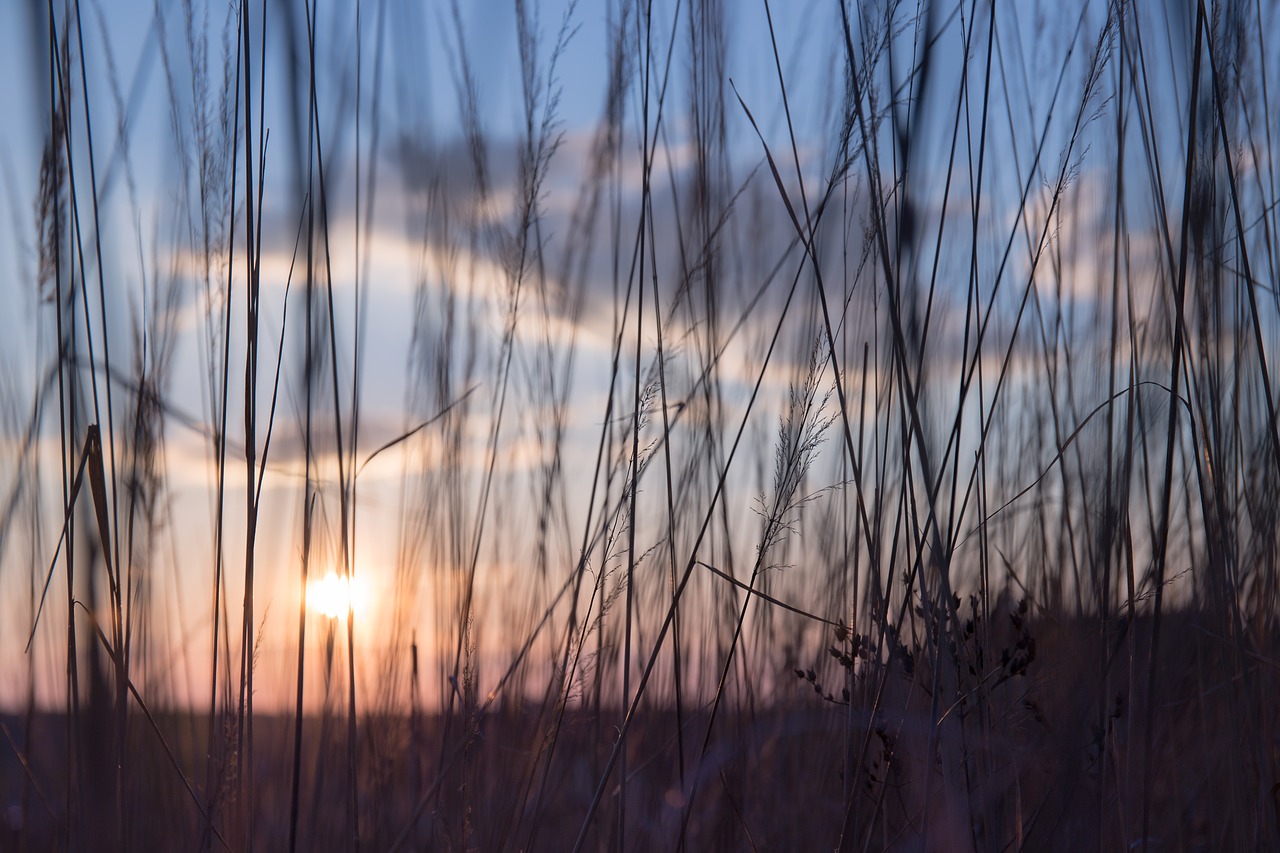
(1049,761)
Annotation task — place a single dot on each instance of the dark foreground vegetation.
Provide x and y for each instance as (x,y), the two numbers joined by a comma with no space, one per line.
(1045,771)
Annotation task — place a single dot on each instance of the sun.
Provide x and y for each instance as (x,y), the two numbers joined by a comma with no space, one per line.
(333,595)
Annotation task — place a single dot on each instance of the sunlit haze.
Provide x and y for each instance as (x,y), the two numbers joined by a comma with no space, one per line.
(335,596)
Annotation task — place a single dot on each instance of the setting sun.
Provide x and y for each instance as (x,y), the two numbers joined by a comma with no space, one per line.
(333,595)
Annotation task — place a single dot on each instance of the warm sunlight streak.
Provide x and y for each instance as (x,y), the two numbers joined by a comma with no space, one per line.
(333,596)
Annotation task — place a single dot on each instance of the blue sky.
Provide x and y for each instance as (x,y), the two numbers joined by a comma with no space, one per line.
(141,242)
(432,238)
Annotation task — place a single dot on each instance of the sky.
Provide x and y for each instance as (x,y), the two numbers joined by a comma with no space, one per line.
(141,62)
(421,252)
